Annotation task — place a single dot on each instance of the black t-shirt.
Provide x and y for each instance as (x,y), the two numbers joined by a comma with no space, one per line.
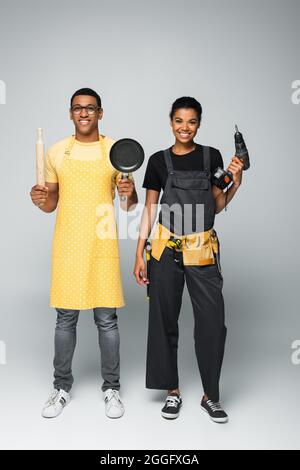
(156,172)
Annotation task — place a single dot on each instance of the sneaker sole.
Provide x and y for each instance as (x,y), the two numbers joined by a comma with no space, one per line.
(51,417)
(54,416)
(215,420)
(115,417)
(169,416)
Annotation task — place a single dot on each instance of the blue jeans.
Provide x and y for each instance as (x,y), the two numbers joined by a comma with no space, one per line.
(65,340)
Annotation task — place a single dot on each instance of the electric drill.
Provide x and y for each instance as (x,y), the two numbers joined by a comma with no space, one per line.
(241,149)
(223,178)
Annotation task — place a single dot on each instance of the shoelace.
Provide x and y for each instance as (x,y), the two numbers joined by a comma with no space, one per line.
(214,406)
(113,394)
(172,401)
(53,397)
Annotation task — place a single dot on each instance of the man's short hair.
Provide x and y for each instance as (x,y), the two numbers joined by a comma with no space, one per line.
(89,92)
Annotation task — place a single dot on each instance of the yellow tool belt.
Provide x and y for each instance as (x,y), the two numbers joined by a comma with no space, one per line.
(198,249)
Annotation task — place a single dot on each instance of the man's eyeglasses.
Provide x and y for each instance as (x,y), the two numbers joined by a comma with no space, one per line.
(76,109)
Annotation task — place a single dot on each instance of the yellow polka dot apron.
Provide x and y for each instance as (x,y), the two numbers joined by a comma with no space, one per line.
(85,261)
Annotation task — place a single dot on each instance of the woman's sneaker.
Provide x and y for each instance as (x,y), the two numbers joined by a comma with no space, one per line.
(214,410)
(55,403)
(114,407)
(172,407)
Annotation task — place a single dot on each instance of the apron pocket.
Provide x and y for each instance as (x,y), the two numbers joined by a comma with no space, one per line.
(188,183)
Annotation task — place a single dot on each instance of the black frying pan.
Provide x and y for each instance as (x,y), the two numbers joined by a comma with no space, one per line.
(126,155)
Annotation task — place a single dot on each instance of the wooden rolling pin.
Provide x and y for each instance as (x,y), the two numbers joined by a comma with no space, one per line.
(40,158)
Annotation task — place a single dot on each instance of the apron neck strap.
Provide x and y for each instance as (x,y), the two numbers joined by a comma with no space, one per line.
(70,146)
(72,142)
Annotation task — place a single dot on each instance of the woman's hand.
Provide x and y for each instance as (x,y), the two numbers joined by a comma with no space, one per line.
(236,168)
(140,271)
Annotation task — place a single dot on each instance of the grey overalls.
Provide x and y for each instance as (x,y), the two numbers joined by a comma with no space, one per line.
(204,283)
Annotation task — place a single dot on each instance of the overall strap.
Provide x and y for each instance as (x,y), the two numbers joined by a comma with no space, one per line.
(206,157)
(168,161)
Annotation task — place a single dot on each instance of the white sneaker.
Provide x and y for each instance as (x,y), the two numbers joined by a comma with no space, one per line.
(114,407)
(56,403)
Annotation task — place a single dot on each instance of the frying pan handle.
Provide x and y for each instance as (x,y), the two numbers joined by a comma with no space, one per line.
(124,176)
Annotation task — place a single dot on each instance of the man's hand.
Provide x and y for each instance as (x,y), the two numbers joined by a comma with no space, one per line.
(236,168)
(45,197)
(125,187)
(39,195)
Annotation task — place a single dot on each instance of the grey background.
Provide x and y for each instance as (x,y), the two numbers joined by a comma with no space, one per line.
(239,59)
